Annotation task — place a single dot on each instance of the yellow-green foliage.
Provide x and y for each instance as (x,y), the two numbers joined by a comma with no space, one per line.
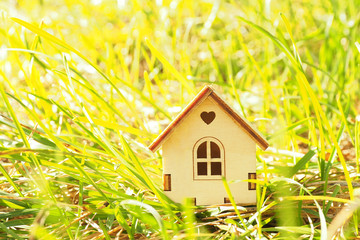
(87,85)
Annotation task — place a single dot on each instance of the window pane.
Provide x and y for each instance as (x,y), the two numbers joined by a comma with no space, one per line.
(202,168)
(201,151)
(167,182)
(216,168)
(252,186)
(215,150)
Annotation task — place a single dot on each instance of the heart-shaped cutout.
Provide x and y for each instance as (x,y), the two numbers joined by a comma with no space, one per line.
(207,117)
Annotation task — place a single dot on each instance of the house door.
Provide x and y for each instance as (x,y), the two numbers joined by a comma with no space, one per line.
(208,159)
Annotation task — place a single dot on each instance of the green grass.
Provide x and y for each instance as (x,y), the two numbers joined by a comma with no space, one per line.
(87,85)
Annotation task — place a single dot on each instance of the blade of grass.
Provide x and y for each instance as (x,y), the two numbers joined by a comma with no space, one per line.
(14,185)
(231,198)
(170,67)
(310,197)
(320,116)
(9,231)
(61,43)
(301,163)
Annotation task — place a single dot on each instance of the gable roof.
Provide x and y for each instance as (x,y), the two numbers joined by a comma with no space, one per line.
(206,92)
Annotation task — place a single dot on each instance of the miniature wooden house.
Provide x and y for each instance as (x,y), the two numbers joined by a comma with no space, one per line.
(206,141)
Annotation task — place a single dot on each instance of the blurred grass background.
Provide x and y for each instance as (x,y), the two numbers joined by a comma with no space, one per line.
(87,85)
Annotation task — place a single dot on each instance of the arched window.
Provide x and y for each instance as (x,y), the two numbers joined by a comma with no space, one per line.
(209,159)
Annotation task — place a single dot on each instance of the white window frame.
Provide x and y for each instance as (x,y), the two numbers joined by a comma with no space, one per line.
(208,159)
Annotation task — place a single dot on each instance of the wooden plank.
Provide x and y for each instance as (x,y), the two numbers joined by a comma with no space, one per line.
(251,131)
(207,91)
(226,200)
(199,98)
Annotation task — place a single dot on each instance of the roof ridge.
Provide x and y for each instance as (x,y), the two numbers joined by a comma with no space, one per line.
(200,97)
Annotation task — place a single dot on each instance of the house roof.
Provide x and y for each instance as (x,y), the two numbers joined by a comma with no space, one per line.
(206,92)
